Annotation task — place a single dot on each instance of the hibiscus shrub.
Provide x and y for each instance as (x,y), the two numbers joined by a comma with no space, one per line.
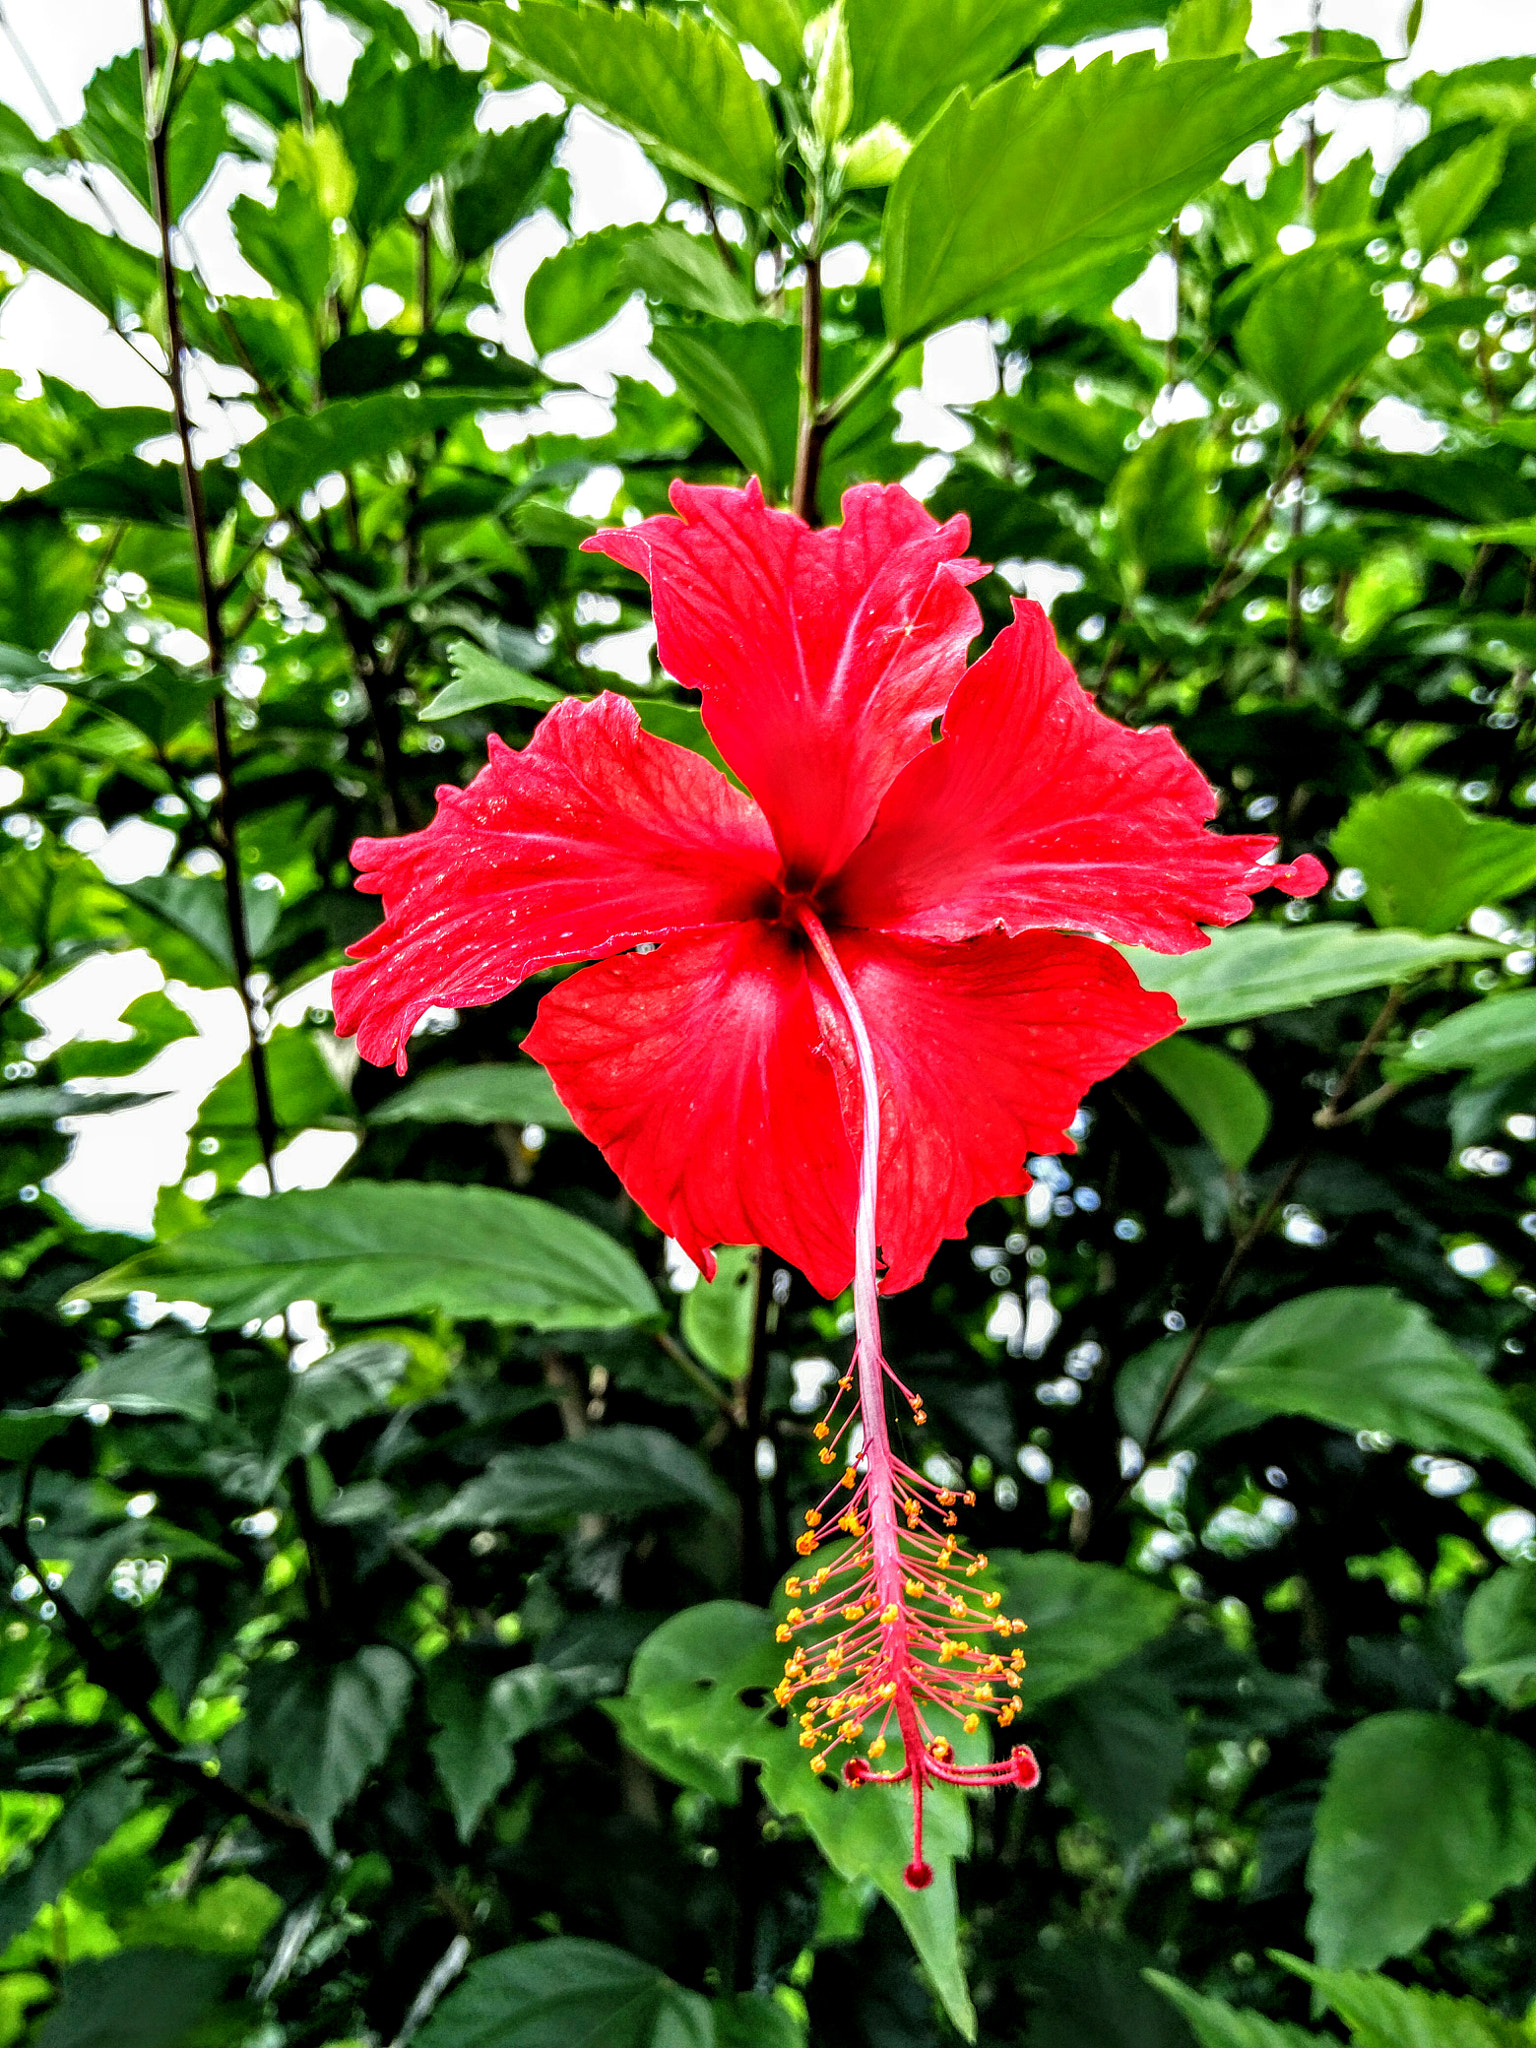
(403,1567)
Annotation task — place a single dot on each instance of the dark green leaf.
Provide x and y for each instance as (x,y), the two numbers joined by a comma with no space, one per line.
(1496,1039)
(321,1729)
(371,1250)
(22,1106)
(1122,1741)
(339,1389)
(46,577)
(159,1375)
(566,1993)
(399,132)
(479,1724)
(293,453)
(140,1998)
(1379,2011)
(1215,2025)
(679,86)
(104,272)
(1460,1826)
(290,243)
(625,1470)
(194,906)
(499,181)
(685,271)
(1083,1618)
(486,1094)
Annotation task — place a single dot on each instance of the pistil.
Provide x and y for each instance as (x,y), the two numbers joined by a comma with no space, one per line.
(902,1586)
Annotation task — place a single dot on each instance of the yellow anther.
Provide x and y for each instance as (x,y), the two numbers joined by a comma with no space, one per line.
(969,1498)
(957,1609)
(782,1633)
(805,1545)
(914,1589)
(812,1518)
(991,1601)
(919,1416)
(826,1457)
(792,1588)
(853,1613)
(808,1739)
(820,1431)
(940,1750)
(890,1614)
(877,1747)
(795,1616)
(971,1723)
(818,1764)
(783,1693)
(1005,1718)
(850,1476)
(944,1497)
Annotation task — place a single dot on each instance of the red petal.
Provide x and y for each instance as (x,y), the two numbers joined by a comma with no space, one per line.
(594,837)
(824,657)
(984,1050)
(1036,809)
(698,1069)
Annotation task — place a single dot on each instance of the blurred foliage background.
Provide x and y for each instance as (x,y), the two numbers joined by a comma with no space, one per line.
(385,1654)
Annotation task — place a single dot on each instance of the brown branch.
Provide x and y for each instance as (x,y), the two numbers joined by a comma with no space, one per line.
(158,136)
(813,427)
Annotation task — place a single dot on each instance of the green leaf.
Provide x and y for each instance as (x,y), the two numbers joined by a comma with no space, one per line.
(46,576)
(624,1470)
(577,290)
(776,27)
(1363,1358)
(320,1729)
(488,1094)
(479,679)
(1254,970)
(194,906)
(1083,1618)
(567,1993)
(1122,1742)
(1161,506)
(1209,28)
(107,273)
(741,378)
(1427,861)
(1389,582)
(399,131)
(685,271)
(1312,329)
(479,1725)
(86,1824)
(139,1998)
(1499,1630)
(909,55)
(682,726)
(192,18)
(1218,1094)
(1496,1038)
(37,1106)
(1000,197)
(1201,1414)
(337,1390)
(679,86)
(499,181)
(758,2019)
(1215,2025)
(1382,2013)
(1460,1826)
(718,1316)
(154,1376)
(1450,197)
(290,243)
(687,1682)
(371,1250)
(154,1022)
(294,452)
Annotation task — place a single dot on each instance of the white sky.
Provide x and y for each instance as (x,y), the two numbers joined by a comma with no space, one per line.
(118,1163)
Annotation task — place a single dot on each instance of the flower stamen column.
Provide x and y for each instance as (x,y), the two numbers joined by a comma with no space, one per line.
(897,1568)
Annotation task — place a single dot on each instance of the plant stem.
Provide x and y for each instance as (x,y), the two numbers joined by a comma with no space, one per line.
(301,66)
(756,1582)
(813,427)
(158,137)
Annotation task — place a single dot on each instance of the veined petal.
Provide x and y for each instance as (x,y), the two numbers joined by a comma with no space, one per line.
(1035,809)
(984,1049)
(595,837)
(823,656)
(698,1071)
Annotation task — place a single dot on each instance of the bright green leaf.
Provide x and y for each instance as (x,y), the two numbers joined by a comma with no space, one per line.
(1256,969)
(1313,328)
(1499,1630)
(479,679)
(741,380)
(1000,197)
(718,1316)
(909,55)
(1381,2013)
(1496,1039)
(1209,28)
(400,130)
(577,290)
(87,1823)
(679,86)
(1429,862)
(1449,198)
(1215,2025)
(1218,1094)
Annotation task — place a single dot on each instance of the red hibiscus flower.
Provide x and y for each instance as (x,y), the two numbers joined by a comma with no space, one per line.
(834,1015)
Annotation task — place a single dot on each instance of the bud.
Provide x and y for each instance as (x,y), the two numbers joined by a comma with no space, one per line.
(832,94)
(874,158)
